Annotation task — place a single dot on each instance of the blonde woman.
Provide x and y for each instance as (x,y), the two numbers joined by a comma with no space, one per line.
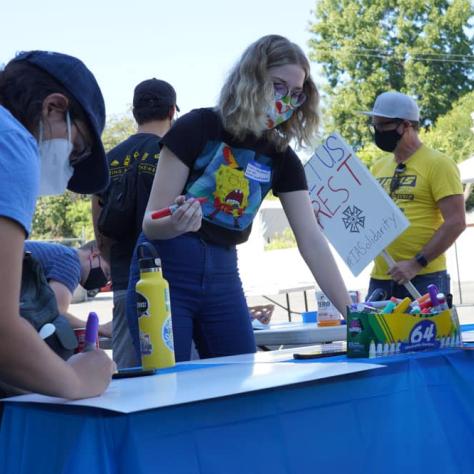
(233,155)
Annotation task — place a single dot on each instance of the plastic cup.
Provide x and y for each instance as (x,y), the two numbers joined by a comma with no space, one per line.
(309,316)
(81,340)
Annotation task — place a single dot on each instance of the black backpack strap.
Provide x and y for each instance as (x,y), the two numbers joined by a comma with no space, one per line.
(38,306)
(119,202)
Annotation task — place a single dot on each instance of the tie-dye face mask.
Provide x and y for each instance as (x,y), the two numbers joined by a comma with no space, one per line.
(280,111)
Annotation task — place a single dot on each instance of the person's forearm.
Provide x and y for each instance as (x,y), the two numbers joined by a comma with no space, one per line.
(75,321)
(105,329)
(159,229)
(325,271)
(442,239)
(28,363)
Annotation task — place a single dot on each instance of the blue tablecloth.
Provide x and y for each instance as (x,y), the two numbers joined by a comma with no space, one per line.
(416,415)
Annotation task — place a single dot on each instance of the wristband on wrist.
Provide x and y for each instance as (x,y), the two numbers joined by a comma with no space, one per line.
(421,259)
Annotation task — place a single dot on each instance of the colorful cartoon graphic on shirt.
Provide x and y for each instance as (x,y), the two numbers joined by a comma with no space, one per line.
(232,189)
(235,181)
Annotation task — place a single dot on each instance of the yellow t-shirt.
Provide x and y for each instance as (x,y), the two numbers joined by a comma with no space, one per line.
(429,176)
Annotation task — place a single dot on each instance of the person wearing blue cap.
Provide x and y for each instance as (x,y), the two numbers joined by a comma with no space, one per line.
(426,186)
(52,115)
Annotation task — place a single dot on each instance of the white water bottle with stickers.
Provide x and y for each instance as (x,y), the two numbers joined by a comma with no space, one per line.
(328,315)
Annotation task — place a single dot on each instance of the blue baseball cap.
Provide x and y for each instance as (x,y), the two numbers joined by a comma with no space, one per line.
(90,175)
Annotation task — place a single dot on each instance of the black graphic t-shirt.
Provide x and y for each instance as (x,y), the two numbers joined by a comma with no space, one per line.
(234,176)
(140,154)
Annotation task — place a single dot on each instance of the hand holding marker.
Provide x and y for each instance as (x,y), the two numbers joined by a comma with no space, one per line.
(168,211)
(92,330)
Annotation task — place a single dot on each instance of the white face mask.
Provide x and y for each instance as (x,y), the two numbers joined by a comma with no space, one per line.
(56,171)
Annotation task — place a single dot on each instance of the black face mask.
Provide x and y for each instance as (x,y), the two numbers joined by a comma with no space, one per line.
(96,279)
(388,140)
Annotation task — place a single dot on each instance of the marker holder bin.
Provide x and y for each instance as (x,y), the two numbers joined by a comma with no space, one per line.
(376,334)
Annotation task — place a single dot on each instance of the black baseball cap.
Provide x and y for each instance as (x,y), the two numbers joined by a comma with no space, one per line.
(154,93)
(90,175)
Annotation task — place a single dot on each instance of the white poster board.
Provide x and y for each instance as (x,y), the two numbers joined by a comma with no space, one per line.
(355,213)
(207,381)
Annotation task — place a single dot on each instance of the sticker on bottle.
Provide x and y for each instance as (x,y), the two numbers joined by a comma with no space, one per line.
(167,333)
(146,347)
(167,300)
(142,306)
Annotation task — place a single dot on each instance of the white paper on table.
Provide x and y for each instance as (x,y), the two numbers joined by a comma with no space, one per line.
(204,383)
(467,336)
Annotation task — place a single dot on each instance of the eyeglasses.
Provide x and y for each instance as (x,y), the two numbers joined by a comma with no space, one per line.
(82,152)
(382,127)
(297,97)
(396,178)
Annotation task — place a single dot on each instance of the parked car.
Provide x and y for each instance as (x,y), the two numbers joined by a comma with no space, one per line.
(92,293)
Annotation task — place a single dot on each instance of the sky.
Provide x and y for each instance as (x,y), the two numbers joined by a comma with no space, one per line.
(190,43)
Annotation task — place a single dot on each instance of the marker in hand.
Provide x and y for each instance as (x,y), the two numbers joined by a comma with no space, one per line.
(92,330)
(167,211)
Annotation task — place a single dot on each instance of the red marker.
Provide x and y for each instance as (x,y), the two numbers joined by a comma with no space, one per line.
(167,211)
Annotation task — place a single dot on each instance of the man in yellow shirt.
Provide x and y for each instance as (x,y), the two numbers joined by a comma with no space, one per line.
(426,186)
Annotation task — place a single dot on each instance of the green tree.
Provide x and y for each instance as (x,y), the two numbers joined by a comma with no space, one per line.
(118,128)
(453,133)
(65,216)
(365,47)
(69,215)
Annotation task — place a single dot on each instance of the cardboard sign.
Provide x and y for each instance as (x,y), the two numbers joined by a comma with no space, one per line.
(353,210)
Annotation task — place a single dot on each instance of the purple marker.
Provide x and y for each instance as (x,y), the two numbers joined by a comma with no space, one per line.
(443,305)
(433,291)
(92,330)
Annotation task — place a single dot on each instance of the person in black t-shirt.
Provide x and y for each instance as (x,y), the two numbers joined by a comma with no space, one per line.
(234,155)
(135,159)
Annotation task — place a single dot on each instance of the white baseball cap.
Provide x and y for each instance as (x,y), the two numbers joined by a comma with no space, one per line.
(395,105)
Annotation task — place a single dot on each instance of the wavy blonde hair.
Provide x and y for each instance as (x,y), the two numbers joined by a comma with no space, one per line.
(248,91)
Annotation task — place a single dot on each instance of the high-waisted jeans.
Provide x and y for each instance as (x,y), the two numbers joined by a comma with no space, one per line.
(207,299)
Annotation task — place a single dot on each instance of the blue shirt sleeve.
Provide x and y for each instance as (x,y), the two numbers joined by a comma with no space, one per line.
(19,172)
(66,269)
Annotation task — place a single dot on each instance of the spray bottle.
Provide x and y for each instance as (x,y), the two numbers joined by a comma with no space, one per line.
(153,311)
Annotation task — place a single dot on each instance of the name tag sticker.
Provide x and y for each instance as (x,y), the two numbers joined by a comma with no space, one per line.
(258,172)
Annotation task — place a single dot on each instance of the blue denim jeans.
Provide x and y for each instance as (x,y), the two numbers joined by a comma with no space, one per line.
(440,279)
(207,300)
